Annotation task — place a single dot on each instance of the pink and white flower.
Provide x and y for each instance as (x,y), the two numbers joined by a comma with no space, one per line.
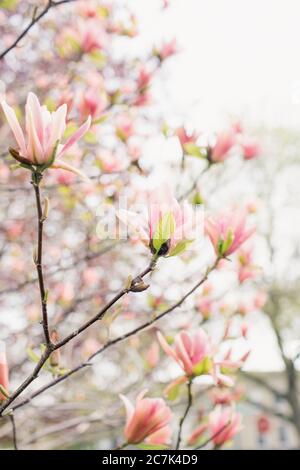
(224,424)
(44,131)
(189,351)
(165,227)
(148,420)
(227,232)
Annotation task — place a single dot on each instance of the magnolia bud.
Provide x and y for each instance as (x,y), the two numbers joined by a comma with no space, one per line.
(138,285)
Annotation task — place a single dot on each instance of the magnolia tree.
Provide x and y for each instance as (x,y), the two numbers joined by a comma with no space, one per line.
(124,301)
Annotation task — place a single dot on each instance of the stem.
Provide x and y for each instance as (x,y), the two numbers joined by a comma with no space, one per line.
(14,430)
(113,342)
(36,178)
(35,19)
(188,406)
(50,347)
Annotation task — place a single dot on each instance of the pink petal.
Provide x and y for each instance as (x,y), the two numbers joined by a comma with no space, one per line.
(76,136)
(65,166)
(15,127)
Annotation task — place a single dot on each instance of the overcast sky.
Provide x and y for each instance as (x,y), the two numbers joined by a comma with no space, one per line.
(237,56)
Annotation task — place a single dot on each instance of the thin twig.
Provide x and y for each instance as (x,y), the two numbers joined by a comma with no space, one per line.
(50,347)
(188,407)
(39,261)
(117,340)
(14,431)
(35,19)
(211,438)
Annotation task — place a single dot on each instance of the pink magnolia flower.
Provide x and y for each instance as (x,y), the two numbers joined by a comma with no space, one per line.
(205,307)
(246,268)
(144,77)
(226,396)
(124,127)
(227,232)
(225,142)
(149,419)
(189,351)
(199,431)
(250,150)
(3,370)
(44,131)
(166,227)
(90,35)
(167,49)
(92,103)
(185,138)
(224,424)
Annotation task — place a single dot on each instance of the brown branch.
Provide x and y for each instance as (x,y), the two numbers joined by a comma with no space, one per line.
(116,340)
(187,409)
(271,411)
(50,347)
(264,384)
(35,19)
(39,259)
(14,431)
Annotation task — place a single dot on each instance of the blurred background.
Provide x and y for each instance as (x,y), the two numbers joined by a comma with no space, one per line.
(226,64)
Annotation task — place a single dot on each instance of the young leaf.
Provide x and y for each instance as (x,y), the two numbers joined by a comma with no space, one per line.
(164,230)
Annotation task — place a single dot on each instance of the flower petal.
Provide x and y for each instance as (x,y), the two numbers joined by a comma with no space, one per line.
(76,136)
(66,166)
(15,127)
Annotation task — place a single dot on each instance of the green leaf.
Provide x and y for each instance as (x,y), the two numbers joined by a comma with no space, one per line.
(8,4)
(203,367)
(3,391)
(173,393)
(101,119)
(226,244)
(145,446)
(164,230)
(32,355)
(90,138)
(193,150)
(180,247)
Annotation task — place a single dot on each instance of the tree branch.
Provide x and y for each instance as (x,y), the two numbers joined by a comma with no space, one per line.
(35,19)
(39,258)
(115,341)
(187,409)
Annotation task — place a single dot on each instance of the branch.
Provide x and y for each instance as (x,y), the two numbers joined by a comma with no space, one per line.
(116,340)
(50,347)
(14,431)
(35,19)
(182,419)
(269,410)
(262,383)
(39,257)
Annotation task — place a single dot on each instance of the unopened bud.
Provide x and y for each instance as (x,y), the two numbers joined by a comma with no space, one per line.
(138,285)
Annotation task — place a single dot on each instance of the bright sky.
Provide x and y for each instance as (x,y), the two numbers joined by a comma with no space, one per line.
(237,56)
